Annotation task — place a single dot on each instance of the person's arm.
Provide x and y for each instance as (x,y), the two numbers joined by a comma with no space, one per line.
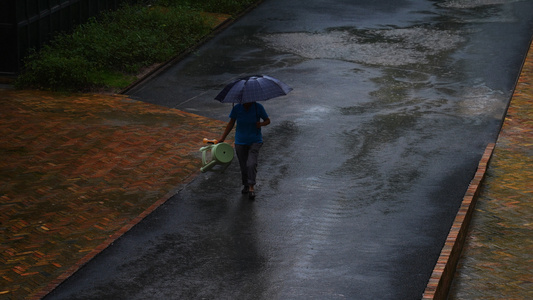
(229,127)
(264,123)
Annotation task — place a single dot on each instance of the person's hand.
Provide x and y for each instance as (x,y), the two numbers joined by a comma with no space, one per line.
(264,123)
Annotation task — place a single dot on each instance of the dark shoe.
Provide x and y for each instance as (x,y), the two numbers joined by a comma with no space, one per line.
(245,190)
(251,195)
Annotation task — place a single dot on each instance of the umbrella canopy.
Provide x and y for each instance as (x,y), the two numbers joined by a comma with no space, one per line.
(253,88)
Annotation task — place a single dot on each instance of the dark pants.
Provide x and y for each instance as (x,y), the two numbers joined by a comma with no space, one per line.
(247,155)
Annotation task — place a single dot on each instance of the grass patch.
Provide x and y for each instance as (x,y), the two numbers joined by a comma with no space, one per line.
(107,52)
(107,78)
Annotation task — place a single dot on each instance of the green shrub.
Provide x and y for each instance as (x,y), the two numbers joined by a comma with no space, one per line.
(135,36)
(230,7)
(121,42)
(51,70)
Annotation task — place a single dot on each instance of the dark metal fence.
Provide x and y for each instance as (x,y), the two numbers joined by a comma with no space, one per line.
(26,24)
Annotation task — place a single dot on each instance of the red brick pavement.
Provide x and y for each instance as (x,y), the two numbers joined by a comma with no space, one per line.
(77,171)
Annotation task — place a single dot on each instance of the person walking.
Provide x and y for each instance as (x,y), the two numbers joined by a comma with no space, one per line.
(248,140)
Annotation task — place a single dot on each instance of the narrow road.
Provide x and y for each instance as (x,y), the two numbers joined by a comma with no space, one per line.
(364,164)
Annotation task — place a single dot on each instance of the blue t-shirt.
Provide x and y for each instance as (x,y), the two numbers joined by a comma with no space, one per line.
(247,132)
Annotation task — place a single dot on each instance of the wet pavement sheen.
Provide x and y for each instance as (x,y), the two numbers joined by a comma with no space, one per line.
(364,164)
(363,167)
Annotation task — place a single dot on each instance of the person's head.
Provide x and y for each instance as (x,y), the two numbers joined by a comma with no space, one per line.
(248,104)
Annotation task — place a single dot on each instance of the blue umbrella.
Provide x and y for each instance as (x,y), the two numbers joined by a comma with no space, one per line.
(253,88)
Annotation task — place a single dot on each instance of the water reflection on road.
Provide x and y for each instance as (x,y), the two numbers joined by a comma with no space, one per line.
(366,160)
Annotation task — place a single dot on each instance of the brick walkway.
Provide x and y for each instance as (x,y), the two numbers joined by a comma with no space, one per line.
(497,259)
(78,171)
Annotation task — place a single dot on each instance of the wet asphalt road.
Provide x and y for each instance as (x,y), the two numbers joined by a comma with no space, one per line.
(364,165)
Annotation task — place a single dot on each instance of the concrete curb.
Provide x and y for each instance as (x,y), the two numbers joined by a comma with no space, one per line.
(443,273)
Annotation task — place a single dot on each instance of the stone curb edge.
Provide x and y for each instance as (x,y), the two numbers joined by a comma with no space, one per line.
(110,240)
(444,270)
(441,279)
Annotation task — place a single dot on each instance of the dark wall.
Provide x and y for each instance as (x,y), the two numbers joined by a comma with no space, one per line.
(26,24)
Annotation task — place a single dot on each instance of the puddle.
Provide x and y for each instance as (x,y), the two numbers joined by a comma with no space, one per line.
(313,114)
(385,47)
(482,100)
(473,3)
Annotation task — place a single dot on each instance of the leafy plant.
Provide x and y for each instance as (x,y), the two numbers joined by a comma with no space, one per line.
(216,6)
(51,70)
(108,50)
